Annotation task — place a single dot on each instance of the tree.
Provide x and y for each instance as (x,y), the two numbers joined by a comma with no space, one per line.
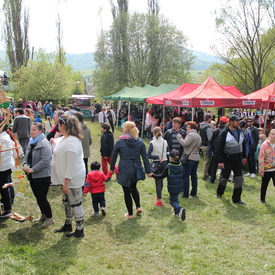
(156,54)
(15,33)
(247,48)
(61,54)
(45,79)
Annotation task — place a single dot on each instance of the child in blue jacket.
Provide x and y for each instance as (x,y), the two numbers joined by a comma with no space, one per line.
(174,174)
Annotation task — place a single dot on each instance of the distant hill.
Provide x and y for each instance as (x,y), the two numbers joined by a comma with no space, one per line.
(85,61)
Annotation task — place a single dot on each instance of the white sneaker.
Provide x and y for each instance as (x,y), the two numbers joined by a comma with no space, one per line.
(247,175)
(253,175)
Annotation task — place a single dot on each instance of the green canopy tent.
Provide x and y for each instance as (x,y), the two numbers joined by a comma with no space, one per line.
(139,94)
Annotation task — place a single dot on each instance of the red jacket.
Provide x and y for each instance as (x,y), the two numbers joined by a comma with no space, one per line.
(95,182)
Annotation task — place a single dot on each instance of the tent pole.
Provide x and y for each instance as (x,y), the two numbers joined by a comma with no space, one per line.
(163,116)
(142,124)
(193,113)
(117,112)
(129,107)
(266,114)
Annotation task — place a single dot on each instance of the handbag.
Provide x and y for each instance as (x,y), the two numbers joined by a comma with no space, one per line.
(140,173)
(184,158)
(155,165)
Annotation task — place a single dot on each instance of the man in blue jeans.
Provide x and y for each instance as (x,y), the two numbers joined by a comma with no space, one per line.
(252,148)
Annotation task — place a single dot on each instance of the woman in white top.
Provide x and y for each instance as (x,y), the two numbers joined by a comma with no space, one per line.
(157,151)
(68,169)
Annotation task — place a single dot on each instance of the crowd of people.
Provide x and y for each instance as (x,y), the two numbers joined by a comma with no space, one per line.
(57,151)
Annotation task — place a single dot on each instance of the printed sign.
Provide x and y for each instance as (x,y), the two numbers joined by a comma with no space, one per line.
(248,102)
(207,102)
(168,102)
(185,103)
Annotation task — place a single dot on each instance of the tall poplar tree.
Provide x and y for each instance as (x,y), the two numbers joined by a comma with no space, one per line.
(15,33)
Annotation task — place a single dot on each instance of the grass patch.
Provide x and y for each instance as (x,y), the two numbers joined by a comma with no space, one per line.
(217,237)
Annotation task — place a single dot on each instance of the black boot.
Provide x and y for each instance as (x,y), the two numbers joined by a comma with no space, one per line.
(79,233)
(67,227)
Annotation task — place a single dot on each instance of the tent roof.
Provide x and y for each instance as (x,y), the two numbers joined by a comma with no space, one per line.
(139,94)
(187,88)
(181,90)
(210,88)
(211,94)
(267,94)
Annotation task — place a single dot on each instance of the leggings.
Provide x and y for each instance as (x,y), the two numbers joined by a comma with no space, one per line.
(4,178)
(129,193)
(265,181)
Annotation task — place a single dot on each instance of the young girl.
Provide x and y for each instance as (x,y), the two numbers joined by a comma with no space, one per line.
(267,163)
(174,174)
(48,125)
(95,185)
(157,151)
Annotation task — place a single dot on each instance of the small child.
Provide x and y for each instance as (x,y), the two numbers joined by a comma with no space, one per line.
(48,125)
(106,147)
(38,119)
(95,185)
(174,174)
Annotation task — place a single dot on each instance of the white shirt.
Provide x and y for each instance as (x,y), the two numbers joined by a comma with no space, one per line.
(67,162)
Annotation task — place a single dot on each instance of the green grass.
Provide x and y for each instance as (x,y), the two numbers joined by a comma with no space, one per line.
(217,237)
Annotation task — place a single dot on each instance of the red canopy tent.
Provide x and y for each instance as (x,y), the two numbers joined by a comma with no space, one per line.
(211,94)
(185,89)
(267,94)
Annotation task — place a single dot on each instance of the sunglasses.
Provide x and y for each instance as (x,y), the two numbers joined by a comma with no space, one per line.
(249,121)
(62,120)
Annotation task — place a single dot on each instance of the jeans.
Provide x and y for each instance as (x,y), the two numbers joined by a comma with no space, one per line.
(175,202)
(251,160)
(190,169)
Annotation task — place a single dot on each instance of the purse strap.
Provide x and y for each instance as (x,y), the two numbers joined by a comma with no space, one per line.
(194,147)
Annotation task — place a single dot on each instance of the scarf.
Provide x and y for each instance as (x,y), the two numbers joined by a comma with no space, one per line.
(34,141)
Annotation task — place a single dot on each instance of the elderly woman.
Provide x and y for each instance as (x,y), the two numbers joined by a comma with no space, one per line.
(37,165)
(130,147)
(191,144)
(68,169)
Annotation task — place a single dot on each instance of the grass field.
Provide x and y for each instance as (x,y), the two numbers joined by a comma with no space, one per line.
(217,237)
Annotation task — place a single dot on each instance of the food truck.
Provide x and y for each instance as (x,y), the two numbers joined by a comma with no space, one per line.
(83,102)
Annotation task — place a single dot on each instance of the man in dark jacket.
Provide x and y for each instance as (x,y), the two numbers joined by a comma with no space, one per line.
(206,135)
(22,127)
(231,155)
(214,140)
(106,148)
(252,148)
(171,135)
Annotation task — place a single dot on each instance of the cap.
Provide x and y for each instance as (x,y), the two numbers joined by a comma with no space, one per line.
(224,119)
(175,154)
(234,118)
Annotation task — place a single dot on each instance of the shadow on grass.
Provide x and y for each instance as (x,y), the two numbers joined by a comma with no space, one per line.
(54,191)
(128,231)
(26,236)
(239,212)
(61,255)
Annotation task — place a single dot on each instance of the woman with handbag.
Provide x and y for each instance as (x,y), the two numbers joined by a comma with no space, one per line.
(191,144)
(130,148)
(157,151)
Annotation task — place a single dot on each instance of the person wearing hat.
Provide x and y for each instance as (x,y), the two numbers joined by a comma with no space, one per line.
(231,155)
(252,148)
(214,164)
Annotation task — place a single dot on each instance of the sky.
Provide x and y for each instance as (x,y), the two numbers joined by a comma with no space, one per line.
(83,19)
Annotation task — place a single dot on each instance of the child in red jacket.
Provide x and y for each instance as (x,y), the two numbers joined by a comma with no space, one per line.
(95,185)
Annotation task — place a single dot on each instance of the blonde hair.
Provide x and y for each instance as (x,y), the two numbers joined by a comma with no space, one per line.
(157,132)
(130,128)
